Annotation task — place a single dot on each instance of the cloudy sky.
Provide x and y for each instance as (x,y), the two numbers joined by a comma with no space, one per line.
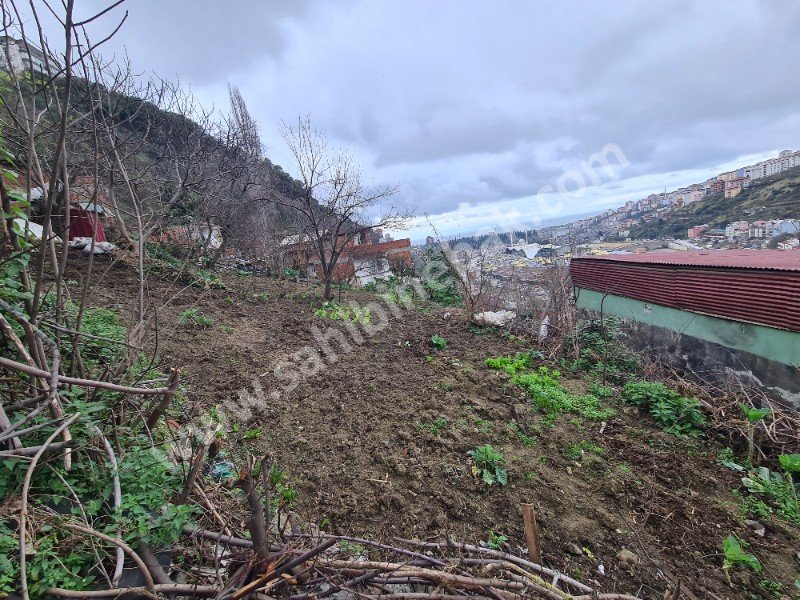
(475,108)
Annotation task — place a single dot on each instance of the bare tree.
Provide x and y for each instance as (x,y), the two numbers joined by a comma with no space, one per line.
(335,206)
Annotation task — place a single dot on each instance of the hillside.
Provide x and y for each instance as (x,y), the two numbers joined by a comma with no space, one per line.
(375,444)
(776,197)
(162,133)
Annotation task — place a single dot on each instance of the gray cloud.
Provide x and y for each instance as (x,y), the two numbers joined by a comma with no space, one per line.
(479,102)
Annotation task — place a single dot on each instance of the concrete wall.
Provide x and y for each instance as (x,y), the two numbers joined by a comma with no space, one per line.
(709,347)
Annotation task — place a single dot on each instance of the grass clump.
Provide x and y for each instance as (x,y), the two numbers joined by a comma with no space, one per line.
(193,317)
(546,392)
(436,426)
(438,342)
(674,413)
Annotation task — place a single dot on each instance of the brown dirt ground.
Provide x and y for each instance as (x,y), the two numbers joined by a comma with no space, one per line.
(353,441)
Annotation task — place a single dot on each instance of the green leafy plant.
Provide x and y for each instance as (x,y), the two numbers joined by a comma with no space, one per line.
(193,316)
(790,463)
(438,342)
(601,391)
(252,434)
(496,540)
(775,494)
(734,551)
(545,390)
(675,414)
(773,588)
(753,417)
(210,280)
(487,463)
(261,296)
(285,496)
(510,364)
(548,394)
(436,426)
(338,312)
(482,425)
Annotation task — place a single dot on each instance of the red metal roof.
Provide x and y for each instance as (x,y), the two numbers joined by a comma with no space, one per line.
(779,260)
(734,285)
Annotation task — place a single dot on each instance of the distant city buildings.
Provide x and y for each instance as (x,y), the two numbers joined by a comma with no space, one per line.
(742,231)
(697,231)
(617,224)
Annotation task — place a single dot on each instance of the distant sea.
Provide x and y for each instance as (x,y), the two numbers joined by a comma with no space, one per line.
(553,222)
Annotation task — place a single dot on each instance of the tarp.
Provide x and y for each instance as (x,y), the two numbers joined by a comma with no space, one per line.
(83,223)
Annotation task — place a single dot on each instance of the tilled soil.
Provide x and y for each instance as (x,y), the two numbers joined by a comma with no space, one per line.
(376,441)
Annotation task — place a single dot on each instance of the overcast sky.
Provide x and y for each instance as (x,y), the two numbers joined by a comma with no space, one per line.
(475,106)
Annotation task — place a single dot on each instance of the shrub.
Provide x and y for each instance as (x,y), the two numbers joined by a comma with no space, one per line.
(487,463)
(601,350)
(675,414)
(439,281)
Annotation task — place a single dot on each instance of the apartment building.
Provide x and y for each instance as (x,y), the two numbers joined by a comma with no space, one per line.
(16,56)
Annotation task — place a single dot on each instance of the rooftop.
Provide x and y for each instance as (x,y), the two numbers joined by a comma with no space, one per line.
(775,260)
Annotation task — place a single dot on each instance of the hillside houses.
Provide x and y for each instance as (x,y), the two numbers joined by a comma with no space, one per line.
(743,231)
(617,223)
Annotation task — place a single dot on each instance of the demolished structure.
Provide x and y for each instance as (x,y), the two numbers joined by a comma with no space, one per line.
(364,257)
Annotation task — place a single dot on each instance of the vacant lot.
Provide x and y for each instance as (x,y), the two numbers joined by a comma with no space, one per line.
(376,442)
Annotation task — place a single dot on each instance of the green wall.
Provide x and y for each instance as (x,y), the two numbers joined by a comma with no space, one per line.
(775,344)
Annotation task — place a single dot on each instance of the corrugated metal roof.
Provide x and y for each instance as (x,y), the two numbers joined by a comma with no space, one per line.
(731,286)
(779,260)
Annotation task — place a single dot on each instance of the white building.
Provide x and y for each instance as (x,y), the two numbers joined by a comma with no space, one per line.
(787,159)
(16,57)
(737,229)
